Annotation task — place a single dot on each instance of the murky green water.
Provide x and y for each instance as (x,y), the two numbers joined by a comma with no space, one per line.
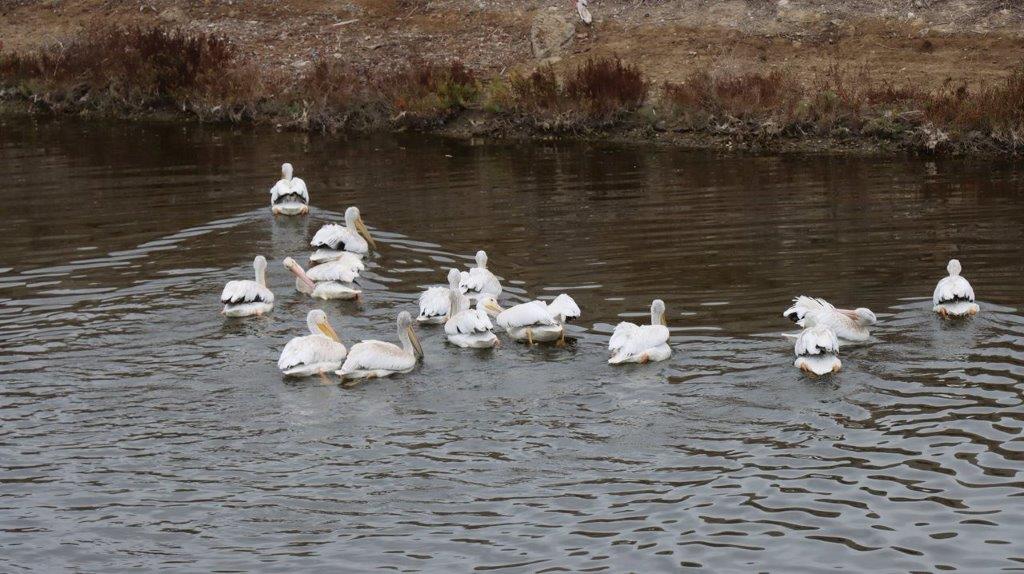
(140,430)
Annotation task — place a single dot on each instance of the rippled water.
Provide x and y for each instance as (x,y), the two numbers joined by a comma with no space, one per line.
(139,429)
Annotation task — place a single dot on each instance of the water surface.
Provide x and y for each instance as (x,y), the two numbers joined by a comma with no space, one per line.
(139,429)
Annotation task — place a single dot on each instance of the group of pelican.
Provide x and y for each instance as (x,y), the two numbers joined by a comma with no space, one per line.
(469,302)
(817,346)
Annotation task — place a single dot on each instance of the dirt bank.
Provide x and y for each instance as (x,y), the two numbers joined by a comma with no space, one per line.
(923,46)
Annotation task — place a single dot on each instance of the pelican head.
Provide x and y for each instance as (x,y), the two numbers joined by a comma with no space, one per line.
(454,278)
(354,220)
(658,312)
(299,272)
(407,335)
(953,267)
(481,259)
(490,306)
(865,316)
(260,266)
(318,324)
(286,171)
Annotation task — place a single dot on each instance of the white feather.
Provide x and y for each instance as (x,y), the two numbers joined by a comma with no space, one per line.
(809,312)
(478,283)
(376,358)
(950,289)
(631,343)
(248,297)
(245,291)
(530,314)
(641,343)
(283,188)
(434,305)
(621,335)
(564,308)
(817,349)
(339,238)
(338,270)
(310,355)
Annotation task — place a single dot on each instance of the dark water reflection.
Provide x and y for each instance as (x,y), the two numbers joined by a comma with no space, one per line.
(140,430)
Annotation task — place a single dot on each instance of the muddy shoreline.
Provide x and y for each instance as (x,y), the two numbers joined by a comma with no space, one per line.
(471,125)
(848,77)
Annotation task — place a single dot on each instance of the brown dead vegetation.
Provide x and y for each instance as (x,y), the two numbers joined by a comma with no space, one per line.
(131,71)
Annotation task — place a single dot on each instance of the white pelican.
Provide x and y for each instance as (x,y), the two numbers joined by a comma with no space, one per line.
(534,321)
(581,9)
(315,354)
(246,297)
(332,239)
(479,282)
(953,295)
(331,280)
(817,351)
(632,343)
(370,359)
(846,324)
(289,195)
(466,327)
(435,303)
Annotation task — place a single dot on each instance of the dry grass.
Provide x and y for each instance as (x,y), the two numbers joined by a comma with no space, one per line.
(605,87)
(428,92)
(136,68)
(842,101)
(997,109)
(599,90)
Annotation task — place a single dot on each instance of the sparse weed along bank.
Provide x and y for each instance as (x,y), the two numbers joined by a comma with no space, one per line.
(136,72)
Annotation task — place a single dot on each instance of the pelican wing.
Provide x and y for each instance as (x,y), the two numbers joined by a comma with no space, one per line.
(334,236)
(329,236)
(283,188)
(479,281)
(310,350)
(468,322)
(819,340)
(953,290)
(434,302)
(623,332)
(377,355)
(564,307)
(531,314)
(804,306)
(245,291)
(641,339)
(339,270)
(325,254)
(299,187)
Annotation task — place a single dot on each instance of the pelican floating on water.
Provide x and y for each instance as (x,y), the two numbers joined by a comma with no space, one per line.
(954,296)
(333,239)
(632,343)
(466,327)
(315,354)
(289,195)
(846,324)
(479,282)
(817,351)
(534,321)
(435,303)
(247,297)
(331,280)
(370,359)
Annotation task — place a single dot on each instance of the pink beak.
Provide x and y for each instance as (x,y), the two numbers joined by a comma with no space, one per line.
(849,313)
(298,271)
